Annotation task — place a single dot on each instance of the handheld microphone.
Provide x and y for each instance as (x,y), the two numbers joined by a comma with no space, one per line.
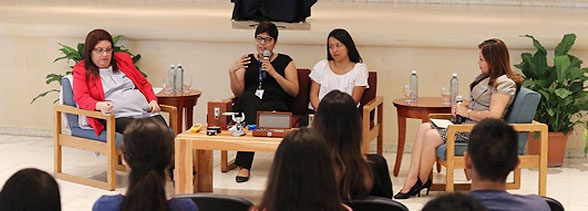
(147,108)
(458,119)
(266,57)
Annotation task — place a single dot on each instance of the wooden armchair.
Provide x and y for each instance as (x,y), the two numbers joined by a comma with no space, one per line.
(522,111)
(372,108)
(105,143)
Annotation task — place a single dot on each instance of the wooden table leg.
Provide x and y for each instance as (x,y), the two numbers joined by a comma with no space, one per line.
(189,116)
(401,139)
(180,116)
(184,164)
(204,168)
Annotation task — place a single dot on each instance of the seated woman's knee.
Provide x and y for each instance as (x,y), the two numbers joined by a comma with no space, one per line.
(432,136)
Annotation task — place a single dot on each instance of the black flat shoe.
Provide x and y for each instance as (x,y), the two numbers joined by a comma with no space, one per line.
(241,179)
(414,190)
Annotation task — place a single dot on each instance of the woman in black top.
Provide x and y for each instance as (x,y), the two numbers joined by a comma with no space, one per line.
(262,84)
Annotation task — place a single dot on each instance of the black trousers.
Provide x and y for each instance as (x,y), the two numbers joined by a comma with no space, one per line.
(249,104)
(122,123)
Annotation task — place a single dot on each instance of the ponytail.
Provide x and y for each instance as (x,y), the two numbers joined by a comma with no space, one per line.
(146,192)
(148,150)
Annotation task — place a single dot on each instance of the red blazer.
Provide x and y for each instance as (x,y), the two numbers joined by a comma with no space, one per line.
(88,93)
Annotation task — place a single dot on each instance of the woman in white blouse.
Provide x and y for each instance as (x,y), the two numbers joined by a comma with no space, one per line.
(342,70)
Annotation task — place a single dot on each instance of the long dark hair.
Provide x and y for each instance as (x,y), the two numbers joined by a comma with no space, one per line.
(148,150)
(301,177)
(92,39)
(30,190)
(344,37)
(338,120)
(496,55)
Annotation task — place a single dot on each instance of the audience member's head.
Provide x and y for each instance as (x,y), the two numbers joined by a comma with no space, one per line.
(341,36)
(148,151)
(98,52)
(301,176)
(30,190)
(454,202)
(338,120)
(492,150)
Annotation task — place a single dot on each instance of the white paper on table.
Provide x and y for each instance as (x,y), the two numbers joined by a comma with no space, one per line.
(441,123)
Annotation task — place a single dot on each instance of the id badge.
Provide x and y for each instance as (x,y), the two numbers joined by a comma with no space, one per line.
(259,93)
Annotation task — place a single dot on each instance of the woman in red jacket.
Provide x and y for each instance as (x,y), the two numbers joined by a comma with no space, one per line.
(109,82)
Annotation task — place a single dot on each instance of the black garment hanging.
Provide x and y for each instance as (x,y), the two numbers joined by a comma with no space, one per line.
(273,10)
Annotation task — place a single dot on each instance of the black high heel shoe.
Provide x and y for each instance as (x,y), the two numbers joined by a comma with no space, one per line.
(414,190)
(427,185)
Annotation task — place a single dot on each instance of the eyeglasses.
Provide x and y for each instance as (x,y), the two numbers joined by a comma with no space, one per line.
(259,39)
(100,50)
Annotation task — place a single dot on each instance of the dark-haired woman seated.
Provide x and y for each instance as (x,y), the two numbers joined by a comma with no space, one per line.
(148,150)
(490,95)
(301,176)
(30,189)
(342,70)
(109,82)
(262,84)
(357,175)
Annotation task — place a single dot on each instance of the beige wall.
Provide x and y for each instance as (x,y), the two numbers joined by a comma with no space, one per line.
(29,48)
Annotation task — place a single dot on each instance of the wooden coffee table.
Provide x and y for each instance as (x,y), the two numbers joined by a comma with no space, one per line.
(418,110)
(187,142)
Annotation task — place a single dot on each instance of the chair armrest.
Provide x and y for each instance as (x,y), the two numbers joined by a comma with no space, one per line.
(451,129)
(534,126)
(173,116)
(440,116)
(530,127)
(110,121)
(373,104)
(83,112)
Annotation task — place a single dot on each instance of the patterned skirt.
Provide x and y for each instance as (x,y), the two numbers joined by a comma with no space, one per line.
(460,137)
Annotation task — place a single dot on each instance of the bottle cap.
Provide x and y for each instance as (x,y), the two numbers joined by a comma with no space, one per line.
(414,72)
(180,64)
(171,66)
(454,75)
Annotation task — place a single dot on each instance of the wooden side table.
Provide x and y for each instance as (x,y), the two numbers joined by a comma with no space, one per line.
(181,101)
(417,110)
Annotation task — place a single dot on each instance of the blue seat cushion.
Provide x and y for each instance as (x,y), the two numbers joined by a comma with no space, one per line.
(460,148)
(91,134)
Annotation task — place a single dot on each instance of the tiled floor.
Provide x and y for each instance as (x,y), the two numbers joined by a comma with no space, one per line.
(567,183)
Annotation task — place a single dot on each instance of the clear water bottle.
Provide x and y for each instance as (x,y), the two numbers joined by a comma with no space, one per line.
(171,77)
(414,86)
(453,88)
(179,83)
